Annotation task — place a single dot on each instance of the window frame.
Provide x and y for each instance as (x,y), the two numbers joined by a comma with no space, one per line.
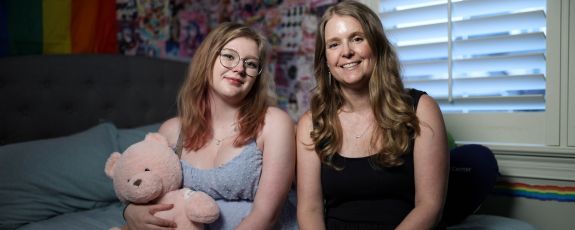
(571,75)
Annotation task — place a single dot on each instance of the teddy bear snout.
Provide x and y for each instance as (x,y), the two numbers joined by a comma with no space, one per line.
(144,187)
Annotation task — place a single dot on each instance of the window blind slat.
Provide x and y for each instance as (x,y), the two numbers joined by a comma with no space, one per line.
(526,21)
(414,16)
(487,85)
(425,70)
(419,34)
(503,64)
(430,51)
(494,104)
(499,44)
(499,86)
(471,8)
(391,5)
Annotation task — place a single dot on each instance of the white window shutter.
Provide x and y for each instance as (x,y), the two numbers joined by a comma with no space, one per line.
(497,51)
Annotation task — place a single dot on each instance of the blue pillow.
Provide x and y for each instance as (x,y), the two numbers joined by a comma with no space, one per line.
(96,219)
(45,178)
(127,137)
(473,174)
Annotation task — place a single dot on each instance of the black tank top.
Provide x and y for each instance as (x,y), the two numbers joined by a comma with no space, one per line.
(365,196)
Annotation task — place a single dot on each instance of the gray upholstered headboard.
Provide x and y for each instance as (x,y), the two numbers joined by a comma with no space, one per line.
(55,95)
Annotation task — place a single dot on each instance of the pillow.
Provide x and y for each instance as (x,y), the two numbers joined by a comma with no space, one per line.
(127,137)
(492,222)
(45,178)
(473,174)
(96,219)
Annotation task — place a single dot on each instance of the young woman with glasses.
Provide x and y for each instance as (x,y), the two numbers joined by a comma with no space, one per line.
(233,144)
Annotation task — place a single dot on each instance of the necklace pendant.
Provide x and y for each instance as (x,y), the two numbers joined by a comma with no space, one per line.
(218,142)
(357,137)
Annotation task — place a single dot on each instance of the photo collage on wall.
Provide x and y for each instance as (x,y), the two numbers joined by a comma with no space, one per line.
(173,29)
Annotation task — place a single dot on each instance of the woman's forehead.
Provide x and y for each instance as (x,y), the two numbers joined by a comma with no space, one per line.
(244,46)
(341,26)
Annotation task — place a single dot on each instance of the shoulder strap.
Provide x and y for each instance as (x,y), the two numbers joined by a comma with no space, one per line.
(179,145)
(415,95)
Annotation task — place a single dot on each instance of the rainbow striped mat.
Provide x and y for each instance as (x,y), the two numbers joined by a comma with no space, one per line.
(539,192)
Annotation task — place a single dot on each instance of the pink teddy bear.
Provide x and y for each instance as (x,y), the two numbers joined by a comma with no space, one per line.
(150,172)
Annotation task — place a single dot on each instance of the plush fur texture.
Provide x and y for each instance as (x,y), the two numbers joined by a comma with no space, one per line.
(150,172)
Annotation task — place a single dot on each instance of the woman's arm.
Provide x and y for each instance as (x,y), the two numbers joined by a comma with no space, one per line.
(142,217)
(309,194)
(277,171)
(431,165)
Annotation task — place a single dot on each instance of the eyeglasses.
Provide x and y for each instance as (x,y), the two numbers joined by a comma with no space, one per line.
(230,58)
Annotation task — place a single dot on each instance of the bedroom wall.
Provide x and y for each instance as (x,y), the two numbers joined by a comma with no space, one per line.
(168,29)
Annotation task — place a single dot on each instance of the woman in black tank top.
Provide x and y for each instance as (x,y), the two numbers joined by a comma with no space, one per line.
(371,154)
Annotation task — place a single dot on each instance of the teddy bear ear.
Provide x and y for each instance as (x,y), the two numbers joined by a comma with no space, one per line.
(157,138)
(109,167)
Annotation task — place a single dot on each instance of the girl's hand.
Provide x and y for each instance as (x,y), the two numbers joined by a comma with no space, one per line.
(142,217)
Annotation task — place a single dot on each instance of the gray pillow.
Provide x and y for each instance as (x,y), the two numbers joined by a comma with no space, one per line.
(45,178)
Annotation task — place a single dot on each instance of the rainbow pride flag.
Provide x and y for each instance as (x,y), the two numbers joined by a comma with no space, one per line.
(539,192)
(57,27)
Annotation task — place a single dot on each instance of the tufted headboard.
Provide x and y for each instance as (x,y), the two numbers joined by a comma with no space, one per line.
(55,95)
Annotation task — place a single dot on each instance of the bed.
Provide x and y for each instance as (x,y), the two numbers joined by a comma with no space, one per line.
(61,116)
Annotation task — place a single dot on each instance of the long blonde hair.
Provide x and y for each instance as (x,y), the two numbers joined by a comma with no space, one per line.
(396,122)
(193,98)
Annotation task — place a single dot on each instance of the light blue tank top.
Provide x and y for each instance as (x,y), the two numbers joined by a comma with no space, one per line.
(233,186)
(237,180)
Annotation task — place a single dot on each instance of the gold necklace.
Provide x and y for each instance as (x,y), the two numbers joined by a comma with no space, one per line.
(220,140)
(362,133)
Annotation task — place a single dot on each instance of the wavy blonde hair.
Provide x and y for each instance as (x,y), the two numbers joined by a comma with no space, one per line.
(193,98)
(396,122)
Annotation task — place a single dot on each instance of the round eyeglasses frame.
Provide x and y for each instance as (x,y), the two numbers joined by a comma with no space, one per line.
(237,61)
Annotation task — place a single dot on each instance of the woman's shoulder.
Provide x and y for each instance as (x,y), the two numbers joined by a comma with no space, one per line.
(421,99)
(426,101)
(275,114)
(278,126)
(171,124)
(305,119)
(171,129)
(304,125)
(415,94)
(427,108)
(277,120)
